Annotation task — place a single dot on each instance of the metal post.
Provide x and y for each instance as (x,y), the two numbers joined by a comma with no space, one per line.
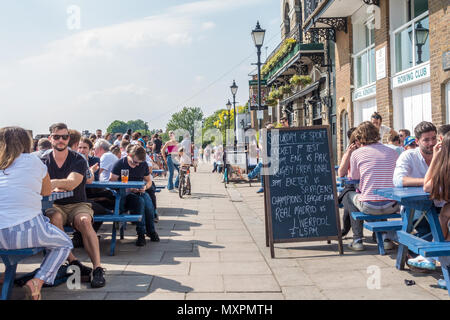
(259,84)
(235,127)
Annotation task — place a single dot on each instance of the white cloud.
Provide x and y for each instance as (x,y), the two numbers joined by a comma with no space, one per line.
(208,25)
(129,89)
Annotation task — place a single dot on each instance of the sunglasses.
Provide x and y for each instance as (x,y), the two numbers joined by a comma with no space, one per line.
(63,136)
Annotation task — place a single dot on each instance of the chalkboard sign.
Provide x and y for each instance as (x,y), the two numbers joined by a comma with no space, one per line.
(300,186)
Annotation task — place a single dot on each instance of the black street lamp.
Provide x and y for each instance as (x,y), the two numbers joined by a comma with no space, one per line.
(421,39)
(228,117)
(234,89)
(226,142)
(258,39)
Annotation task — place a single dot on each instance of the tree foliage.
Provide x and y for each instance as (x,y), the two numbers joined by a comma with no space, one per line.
(185,119)
(119,126)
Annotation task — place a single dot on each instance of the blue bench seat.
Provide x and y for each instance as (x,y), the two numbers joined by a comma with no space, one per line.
(371,217)
(423,247)
(11,258)
(382,226)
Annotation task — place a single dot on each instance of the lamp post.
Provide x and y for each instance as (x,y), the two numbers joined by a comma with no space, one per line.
(228,116)
(421,39)
(258,39)
(226,144)
(234,89)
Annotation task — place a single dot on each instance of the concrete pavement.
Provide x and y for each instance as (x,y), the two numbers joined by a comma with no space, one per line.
(213,247)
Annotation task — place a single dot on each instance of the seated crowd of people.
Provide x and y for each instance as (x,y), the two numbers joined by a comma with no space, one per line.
(422,160)
(66,161)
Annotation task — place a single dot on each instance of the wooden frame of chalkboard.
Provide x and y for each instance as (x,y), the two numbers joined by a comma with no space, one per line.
(270,240)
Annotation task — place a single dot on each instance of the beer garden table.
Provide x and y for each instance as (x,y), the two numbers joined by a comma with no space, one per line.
(119,190)
(414,198)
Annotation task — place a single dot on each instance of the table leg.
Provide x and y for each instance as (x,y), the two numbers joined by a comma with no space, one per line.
(433,220)
(407,217)
(10,274)
(445,266)
(113,240)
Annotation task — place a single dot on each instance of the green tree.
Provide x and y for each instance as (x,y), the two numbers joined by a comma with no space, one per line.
(185,119)
(117,126)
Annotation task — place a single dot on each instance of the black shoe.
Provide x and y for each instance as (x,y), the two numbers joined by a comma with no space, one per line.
(98,278)
(140,242)
(344,232)
(77,240)
(154,236)
(85,271)
(156,219)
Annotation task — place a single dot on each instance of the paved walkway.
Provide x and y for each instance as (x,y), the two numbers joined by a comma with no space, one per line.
(213,247)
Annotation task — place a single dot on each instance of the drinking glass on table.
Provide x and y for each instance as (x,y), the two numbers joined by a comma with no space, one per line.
(124,175)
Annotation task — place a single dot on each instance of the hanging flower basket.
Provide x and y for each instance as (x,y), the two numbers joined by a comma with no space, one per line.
(286,89)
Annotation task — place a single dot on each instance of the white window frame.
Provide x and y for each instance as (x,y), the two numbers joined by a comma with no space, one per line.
(371,20)
(411,24)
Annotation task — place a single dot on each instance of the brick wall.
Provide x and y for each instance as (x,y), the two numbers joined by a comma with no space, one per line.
(439,43)
(384,92)
(344,75)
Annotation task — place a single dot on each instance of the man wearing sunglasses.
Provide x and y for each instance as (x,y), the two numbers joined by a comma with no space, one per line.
(137,200)
(67,170)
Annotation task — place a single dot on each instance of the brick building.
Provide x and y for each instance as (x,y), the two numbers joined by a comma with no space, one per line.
(389,56)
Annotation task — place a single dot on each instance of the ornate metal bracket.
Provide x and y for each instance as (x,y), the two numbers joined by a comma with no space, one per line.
(339,24)
(321,34)
(327,101)
(370,2)
(316,58)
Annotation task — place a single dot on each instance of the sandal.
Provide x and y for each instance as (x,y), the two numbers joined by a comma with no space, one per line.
(29,295)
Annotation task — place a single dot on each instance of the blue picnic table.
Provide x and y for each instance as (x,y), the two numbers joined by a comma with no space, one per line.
(414,198)
(118,189)
(11,258)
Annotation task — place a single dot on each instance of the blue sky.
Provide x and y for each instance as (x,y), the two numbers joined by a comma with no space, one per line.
(129,59)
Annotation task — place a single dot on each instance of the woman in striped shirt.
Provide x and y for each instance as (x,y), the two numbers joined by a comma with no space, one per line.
(373,164)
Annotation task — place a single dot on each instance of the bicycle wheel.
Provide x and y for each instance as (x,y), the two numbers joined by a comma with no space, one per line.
(181,187)
(188,185)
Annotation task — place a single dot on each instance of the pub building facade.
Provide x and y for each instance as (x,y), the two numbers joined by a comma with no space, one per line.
(390,56)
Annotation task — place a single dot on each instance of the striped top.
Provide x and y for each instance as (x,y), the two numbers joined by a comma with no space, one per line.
(374,166)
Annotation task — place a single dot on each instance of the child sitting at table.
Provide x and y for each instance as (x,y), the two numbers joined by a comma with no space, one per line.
(437,182)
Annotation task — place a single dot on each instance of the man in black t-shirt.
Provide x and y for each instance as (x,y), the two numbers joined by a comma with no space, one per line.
(67,170)
(157,144)
(137,201)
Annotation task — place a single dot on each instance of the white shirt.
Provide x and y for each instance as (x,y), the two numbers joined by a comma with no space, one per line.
(383,130)
(409,164)
(106,163)
(20,190)
(186,145)
(117,142)
(399,150)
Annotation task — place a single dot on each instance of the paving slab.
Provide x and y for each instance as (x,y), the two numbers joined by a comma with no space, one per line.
(251,283)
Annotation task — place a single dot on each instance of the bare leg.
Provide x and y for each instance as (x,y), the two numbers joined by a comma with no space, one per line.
(444,218)
(83,223)
(57,220)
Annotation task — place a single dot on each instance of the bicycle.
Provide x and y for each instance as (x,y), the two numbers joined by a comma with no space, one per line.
(184,186)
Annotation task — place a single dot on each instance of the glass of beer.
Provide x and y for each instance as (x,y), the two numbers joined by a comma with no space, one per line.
(124,175)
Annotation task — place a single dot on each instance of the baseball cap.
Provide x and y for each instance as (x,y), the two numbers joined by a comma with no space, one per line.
(409,140)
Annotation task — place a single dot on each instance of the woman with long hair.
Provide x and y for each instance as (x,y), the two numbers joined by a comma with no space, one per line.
(171,159)
(23,182)
(437,181)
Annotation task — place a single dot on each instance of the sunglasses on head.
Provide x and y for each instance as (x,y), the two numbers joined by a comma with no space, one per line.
(58,136)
